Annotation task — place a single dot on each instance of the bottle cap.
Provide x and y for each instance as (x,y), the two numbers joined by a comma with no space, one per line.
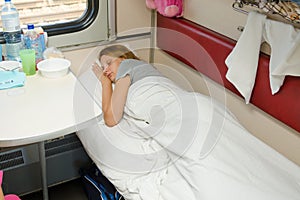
(30,26)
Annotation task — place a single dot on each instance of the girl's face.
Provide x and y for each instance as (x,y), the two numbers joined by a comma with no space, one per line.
(110,66)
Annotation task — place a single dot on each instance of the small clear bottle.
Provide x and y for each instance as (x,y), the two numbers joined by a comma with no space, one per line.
(11,30)
(32,40)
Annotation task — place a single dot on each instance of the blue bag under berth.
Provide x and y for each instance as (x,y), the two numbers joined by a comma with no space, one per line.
(97,186)
(11,79)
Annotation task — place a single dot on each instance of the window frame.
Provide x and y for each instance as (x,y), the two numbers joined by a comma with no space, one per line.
(92,27)
(76,25)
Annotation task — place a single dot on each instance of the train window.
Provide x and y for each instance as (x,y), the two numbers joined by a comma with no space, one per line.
(50,12)
(67,22)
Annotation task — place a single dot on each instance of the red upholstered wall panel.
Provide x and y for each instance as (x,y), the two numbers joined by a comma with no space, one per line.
(206,51)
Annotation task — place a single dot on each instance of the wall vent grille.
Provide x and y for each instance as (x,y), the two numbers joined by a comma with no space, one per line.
(61,145)
(11,159)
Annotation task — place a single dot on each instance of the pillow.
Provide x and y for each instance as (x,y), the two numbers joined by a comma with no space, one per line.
(93,86)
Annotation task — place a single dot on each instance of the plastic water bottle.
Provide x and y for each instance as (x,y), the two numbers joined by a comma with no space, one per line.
(11,30)
(33,40)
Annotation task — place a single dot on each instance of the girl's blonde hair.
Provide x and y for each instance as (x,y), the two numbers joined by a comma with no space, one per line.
(118,51)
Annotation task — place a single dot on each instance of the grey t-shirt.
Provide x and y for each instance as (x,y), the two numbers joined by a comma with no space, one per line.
(136,69)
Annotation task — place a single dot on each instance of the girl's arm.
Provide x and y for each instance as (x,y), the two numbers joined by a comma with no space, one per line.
(113,101)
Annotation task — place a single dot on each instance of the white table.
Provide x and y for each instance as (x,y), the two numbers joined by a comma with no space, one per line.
(44,109)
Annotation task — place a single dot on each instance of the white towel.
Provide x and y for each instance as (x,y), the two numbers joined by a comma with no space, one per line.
(291,65)
(242,61)
(284,41)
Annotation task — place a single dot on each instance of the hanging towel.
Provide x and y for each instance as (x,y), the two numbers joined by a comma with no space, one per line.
(284,41)
(242,61)
(291,65)
(11,79)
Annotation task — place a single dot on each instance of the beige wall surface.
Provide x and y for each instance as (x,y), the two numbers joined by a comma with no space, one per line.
(216,15)
(132,17)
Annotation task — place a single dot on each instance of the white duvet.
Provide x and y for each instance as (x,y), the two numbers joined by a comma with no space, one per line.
(174,145)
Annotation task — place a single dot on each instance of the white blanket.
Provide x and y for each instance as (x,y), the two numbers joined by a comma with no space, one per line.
(174,144)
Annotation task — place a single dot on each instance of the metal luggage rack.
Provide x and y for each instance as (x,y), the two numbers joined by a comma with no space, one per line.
(289,10)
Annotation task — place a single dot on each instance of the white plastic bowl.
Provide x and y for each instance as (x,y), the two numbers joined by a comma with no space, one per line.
(54,67)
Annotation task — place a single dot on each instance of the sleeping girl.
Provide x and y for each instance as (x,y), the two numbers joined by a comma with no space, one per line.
(120,66)
(161,142)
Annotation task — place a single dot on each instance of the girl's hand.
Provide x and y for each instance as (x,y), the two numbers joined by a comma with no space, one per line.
(98,71)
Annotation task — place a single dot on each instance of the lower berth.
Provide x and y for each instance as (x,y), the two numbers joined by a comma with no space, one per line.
(173,144)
